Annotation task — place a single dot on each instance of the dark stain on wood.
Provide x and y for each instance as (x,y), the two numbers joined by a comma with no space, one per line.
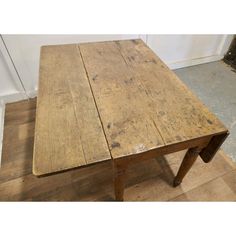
(154,61)
(117,43)
(135,41)
(161,113)
(209,121)
(95,77)
(115,145)
(129,81)
(178,138)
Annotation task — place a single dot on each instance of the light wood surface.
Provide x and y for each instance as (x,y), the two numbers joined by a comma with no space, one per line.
(115,101)
(149,180)
(142,104)
(68,131)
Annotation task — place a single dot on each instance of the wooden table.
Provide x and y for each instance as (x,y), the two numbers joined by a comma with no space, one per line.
(116,101)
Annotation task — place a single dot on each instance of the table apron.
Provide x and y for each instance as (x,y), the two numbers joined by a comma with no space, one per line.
(202,143)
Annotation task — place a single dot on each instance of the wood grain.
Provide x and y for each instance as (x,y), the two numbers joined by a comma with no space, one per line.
(148,180)
(68,131)
(216,189)
(142,104)
(99,101)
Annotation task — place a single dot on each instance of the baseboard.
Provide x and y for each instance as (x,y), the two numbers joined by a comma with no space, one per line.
(194,61)
(2,112)
(32,93)
(13,97)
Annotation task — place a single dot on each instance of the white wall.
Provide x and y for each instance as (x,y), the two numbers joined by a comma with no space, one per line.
(175,50)
(186,50)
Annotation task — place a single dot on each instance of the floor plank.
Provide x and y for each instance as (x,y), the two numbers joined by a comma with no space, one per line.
(216,189)
(230,180)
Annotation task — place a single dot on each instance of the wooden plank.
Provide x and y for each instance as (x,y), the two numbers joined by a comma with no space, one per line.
(127,118)
(23,105)
(216,189)
(142,104)
(68,131)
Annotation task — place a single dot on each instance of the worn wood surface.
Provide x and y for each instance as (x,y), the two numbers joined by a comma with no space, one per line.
(112,100)
(68,131)
(142,104)
(149,180)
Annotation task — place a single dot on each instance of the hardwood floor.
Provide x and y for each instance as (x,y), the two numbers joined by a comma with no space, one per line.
(147,181)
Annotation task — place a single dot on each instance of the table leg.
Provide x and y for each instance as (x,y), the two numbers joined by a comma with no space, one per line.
(189,158)
(119,178)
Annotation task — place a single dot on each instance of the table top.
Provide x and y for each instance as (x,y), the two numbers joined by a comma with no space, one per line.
(98,101)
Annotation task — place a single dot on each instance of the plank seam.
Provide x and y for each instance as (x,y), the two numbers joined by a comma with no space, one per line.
(87,75)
